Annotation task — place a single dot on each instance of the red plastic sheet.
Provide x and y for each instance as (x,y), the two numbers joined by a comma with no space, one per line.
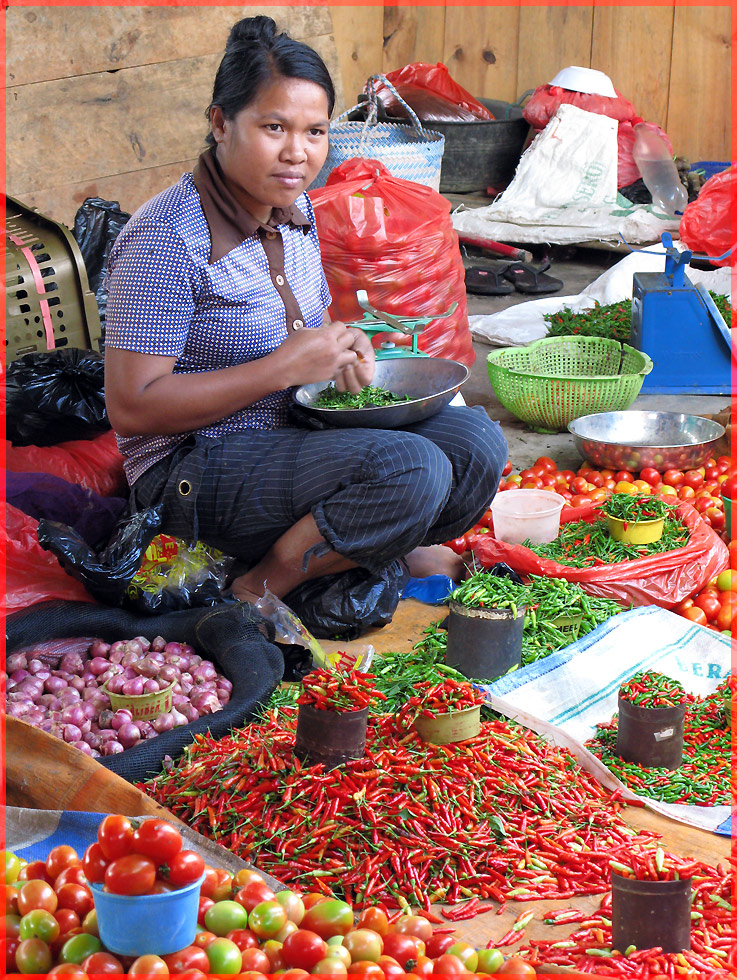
(32,574)
(94,464)
(393,238)
(546,99)
(660,580)
(708,224)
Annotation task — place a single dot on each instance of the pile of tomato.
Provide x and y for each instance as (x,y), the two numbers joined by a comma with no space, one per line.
(244,927)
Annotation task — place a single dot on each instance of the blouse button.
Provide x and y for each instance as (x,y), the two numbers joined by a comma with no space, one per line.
(297,324)
(280,280)
(271,234)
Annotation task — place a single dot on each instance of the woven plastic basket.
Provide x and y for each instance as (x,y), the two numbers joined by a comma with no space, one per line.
(553,381)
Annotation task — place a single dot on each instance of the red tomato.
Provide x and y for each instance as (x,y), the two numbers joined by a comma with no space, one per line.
(94,863)
(77,898)
(448,964)
(414,925)
(507,468)
(578,484)
(203,905)
(696,615)
(726,614)
(686,493)
(158,840)
(547,463)
(67,919)
(437,944)
(132,874)
(579,500)
(729,487)
(209,882)
(674,478)
(717,518)
(486,519)
(73,875)
(529,473)
(37,894)
(709,603)
(253,958)
(651,475)
(303,949)
(366,968)
(401,947)
(711,471)
(60,857)
(683,605)
(693,478)
(224,885)
(374,918)
(203,939)
(531,483)
(115,835)
(253,893)
(185,867)
(624,476)
(189,958)
(148,966)
(244,939)
(458,545)
(34,871)
(517,967)
(732,547)
(97,963)
(390,967)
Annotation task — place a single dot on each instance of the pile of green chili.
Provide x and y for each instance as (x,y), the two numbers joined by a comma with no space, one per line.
(703,777)
(635,507)
(368,397)
(582,544)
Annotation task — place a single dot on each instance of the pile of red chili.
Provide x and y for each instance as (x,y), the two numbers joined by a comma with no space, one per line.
(651,689)
(653,864)
(442,698)
(336,690)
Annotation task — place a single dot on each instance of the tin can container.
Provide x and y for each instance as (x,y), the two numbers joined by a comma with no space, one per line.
(646,914)
(450,726)
(484,643)
(652,737)
(330,737)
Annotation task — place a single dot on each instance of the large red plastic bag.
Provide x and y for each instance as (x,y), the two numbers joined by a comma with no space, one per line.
(707,226)
(395,239)
(433,94)
(32,574)
(546,99)
(627,170)
(661,580)
(94,464)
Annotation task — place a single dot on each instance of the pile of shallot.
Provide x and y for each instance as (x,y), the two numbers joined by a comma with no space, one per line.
(61,687)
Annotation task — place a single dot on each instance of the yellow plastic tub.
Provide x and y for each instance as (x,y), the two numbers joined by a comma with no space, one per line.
(451,726)
(636,532)
(143,707)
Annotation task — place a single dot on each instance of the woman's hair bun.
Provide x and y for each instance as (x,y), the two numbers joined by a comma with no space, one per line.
(260,29)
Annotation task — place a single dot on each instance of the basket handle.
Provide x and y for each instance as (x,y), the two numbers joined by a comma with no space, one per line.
(373,108)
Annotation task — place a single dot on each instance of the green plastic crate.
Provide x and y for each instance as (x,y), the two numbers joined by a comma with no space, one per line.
(553,381)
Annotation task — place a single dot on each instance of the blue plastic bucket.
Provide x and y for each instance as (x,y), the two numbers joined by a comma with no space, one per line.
(133,925)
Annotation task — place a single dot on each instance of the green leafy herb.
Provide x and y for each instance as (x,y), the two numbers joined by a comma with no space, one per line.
(632,508)
(368,397)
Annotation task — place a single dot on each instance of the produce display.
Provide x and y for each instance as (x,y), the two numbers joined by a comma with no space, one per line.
(338,690)
(634,508)
(63,687)
(369,396)
(703,778)
(651,689)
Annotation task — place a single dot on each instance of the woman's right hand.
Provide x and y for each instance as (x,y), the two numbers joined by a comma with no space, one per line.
(330,352)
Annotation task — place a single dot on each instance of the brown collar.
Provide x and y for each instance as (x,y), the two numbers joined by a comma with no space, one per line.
(229,223)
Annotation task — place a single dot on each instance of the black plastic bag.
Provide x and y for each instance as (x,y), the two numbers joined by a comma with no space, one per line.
(104,574)
(97,224)
(348,604)
(234,636)
(55,396)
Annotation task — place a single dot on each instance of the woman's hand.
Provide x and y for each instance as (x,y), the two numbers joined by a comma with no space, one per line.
(329,352)
(356,376)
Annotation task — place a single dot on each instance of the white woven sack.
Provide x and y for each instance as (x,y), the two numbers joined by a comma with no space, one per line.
(408,152)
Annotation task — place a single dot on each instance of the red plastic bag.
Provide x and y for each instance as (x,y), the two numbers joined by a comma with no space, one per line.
(393,238)
(707,225)
(545,100)
(94,464)
(432,93)
(660,580)
(627,170)
(31,574)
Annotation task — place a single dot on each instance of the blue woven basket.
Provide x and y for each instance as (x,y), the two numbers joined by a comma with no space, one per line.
(408,152)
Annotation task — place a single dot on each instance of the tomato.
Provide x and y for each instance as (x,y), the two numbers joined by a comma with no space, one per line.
(727,580)
(266,919)
(693,479)
(404,948)
(79,947)
(224,916)
(34,871)
(203,939)
(489,960)
(650,475)
(37,894)
(94,863)
(189,958)
(185,868)
(60,857)
(254,958)
(254,892)
(686,493)
(303,949)
(726,614)
(243,938)
(449,965)
(39,924)
(102,963)
(717,517)
(331,966)
(11,900)
(89,923)
(73,875)
(508,467)
(223,956)
(67,920)
(458,545)
(374,918)
(158,840)
(115,836)
(696,615)
(664,490)
(579,500)
(242,877)
(203,905)
(223,885)
(78,898)
(709,603)
(365,944)
(732,548)
(33,956)
(532,483)
(132,874)
(12,867)
(329,918)
(414,925)
(517,967)
(729,487)
(624,486)
(292,904)
(75,969)
(466,953)
(148,966)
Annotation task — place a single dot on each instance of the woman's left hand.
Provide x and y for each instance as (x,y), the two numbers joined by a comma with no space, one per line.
(357,376)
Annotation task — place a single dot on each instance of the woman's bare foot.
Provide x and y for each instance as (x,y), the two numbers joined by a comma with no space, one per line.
(436,559)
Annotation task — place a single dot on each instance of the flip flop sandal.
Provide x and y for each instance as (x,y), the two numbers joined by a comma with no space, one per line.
(487,282)
(527,279)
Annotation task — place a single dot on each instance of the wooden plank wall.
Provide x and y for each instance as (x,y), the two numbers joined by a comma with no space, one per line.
(671,61)
(109,101)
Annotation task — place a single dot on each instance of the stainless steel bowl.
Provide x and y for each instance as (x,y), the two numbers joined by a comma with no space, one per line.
(633,440)
(431,382)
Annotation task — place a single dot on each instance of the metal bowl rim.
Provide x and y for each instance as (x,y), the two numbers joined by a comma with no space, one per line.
(719,431)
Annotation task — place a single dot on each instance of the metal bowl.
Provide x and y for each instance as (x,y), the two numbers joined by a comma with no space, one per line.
(633,440)
(431,382)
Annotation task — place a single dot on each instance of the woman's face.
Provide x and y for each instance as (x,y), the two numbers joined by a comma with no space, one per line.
(273,148)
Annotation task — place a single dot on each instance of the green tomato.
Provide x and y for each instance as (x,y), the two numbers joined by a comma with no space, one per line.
(79,947)
(336,951)
(223,955)
(489,960)
(363,944)
(466,954)
(329,918)
(89,923)
(267,919)
(12,867)
(33,956)
(331,966)
(224,916)
(39,924)
(293,903)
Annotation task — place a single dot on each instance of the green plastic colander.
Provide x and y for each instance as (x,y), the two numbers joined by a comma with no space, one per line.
(553,381)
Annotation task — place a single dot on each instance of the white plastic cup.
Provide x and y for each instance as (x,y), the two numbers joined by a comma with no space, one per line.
(522,514)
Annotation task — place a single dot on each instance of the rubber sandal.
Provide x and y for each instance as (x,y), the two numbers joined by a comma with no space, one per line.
(486,281)
(527,279)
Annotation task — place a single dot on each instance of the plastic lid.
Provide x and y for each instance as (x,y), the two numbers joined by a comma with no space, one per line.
(587,80)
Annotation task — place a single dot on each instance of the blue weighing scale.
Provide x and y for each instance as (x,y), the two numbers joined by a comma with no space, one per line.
(680,328)
(375,322)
